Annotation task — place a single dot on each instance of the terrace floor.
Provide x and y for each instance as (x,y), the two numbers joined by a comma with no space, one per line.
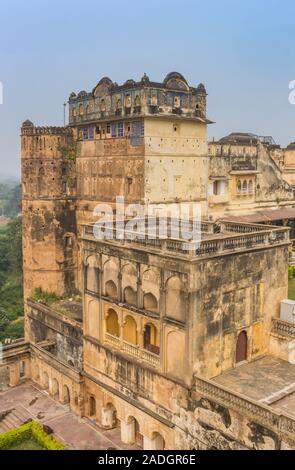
(29,402)
(269,380)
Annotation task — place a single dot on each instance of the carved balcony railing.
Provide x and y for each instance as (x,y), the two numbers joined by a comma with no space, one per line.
(231,238)
(283,328)
(132,350)
(245,406)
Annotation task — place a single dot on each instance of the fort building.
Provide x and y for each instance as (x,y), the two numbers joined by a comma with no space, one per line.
(180,345)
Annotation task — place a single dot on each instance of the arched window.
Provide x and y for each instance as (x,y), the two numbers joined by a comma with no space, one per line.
(239,186)
(151,338)
(81,109)
(137,101)
(250,187)
(92,275)
(130,296)
(130,330)
(111,289)
(150,302)
(112,323)
(242,347)
(245,187)
(127,101)
(102,105)
(158,442)
(176,101)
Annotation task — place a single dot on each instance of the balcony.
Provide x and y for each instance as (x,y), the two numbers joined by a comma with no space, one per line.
(132,350)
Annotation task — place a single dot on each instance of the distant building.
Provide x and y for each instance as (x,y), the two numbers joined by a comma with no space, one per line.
(158,338)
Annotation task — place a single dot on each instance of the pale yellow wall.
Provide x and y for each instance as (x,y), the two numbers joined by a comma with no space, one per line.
(176,162)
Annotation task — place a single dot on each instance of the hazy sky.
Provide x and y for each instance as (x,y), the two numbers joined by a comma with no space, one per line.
(243,50)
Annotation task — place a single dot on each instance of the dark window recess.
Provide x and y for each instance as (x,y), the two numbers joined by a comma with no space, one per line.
(147,341)
(177,111)
(154,109)
(127,111)
(137,110)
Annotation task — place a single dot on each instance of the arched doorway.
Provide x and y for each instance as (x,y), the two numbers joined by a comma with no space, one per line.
(92,407)
(109,416)
(138,435)
(66,394)
(158,442)
(112,323)
(151,339)
(55,389)
(242,347)
(45,381)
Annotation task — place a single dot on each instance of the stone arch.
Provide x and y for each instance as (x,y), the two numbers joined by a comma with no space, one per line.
(150,302)
(137,101)
(134,431)
(130,330)
(129,283)
(112,323)
(242,347)
(92,407)
(151,290)
(45,381)
(109,416)
(111,273)
(111,289)
(55,389)
(92,274)
(130,296)
(151,338)
(175,300)
(66,397)
(157,441)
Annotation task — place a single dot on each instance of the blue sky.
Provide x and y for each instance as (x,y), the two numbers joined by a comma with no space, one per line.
(242,50)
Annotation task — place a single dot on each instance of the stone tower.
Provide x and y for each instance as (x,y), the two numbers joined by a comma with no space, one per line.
(49,222)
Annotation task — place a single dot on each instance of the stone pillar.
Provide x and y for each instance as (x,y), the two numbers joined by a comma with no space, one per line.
(128,432)
(139,294)
(120,293)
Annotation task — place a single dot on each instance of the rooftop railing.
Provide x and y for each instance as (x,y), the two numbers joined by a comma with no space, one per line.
(215,239)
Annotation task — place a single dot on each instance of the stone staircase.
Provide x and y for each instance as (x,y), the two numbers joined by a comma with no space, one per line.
(13,418)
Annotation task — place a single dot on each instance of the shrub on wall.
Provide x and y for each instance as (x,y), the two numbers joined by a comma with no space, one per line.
(27,431)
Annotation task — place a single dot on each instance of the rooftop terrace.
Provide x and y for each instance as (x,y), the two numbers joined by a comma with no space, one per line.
(214,239)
